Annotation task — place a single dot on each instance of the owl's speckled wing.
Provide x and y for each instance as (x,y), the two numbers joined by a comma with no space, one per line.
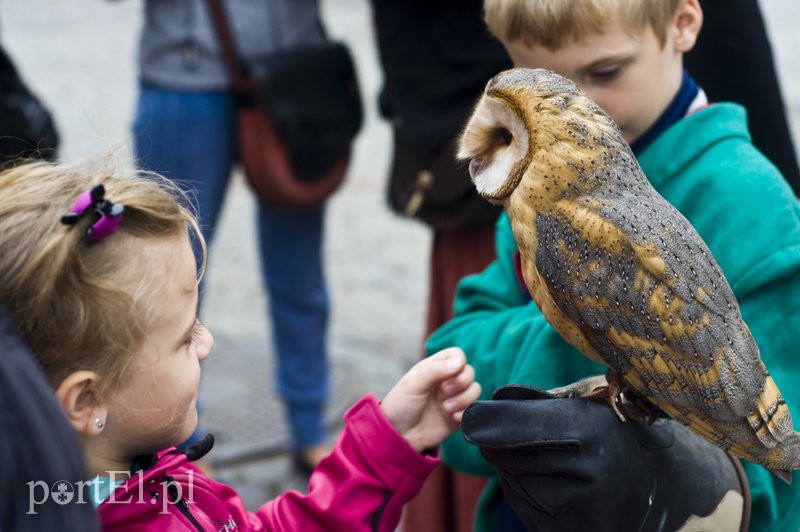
(654,303)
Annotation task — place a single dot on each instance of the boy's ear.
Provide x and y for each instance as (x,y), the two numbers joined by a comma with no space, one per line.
(688,20)
(79,397)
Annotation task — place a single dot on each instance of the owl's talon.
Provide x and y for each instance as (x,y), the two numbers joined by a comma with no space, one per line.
(615,399)
(610,395)
(640,408)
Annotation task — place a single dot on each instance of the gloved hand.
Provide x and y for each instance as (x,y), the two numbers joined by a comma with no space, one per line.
(572,465)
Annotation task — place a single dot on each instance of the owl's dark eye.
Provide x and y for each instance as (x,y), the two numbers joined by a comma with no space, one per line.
(503,136)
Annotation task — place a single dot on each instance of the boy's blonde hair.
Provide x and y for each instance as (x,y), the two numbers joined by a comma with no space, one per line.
(82,304)
(554,23)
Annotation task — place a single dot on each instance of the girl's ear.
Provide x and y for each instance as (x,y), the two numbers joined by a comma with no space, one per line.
(78,395)
(687,22)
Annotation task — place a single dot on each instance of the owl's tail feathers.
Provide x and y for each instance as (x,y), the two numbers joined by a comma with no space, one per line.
(783,474)
(772,424)
(787,457)
(771,420)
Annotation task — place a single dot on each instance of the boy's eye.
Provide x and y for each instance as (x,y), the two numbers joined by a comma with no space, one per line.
(605,74)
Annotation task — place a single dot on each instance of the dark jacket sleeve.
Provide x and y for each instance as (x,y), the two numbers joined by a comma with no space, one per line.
(38,448)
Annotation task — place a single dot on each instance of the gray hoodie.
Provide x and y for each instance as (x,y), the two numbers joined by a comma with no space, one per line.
(178,47)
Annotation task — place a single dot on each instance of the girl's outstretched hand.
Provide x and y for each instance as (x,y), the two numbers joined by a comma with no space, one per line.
(427,403)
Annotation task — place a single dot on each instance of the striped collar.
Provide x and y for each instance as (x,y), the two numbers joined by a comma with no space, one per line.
(689,98)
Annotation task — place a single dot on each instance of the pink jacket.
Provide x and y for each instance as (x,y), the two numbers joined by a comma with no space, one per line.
(363,485)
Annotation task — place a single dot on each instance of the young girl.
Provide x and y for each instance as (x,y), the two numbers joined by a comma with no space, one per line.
(99,277)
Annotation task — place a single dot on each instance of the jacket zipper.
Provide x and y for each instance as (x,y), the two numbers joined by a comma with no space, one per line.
(180,503)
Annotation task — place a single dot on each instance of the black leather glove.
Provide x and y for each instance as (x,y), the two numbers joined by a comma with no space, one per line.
(572,465)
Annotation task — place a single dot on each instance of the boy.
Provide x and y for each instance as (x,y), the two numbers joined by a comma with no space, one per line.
(627,55)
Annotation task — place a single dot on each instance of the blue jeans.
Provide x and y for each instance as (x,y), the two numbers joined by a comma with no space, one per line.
(188,136)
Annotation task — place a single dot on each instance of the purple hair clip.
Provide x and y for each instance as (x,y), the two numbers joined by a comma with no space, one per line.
(106,213)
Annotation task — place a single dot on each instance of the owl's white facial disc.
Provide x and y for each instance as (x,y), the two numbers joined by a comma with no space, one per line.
(495,140)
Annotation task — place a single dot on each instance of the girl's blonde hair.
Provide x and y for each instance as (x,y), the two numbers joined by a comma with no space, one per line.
(553,23)
(82,304)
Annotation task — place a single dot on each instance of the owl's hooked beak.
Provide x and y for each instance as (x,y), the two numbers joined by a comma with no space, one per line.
(476,166)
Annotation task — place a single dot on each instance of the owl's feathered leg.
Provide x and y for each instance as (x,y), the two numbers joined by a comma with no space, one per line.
(612,389)
(582,388)
(600,388)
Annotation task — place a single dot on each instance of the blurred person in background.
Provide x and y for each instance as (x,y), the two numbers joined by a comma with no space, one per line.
(184,129)
(436,59)
(733,62)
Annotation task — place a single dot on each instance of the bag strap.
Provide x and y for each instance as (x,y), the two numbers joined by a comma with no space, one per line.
(242,84)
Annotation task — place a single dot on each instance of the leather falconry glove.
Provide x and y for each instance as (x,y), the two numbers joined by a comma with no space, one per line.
(570,464)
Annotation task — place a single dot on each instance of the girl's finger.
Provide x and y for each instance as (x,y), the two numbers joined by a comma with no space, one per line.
(428,373)
(459,382)
(463,400)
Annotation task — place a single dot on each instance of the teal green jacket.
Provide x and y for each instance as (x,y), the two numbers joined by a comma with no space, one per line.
(706,166)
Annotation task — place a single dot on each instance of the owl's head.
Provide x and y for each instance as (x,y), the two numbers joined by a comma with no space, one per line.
(521,111)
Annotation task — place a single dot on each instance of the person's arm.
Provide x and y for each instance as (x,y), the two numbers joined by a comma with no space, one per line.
(758,247)
(384,453)
(367,478)
(507,340)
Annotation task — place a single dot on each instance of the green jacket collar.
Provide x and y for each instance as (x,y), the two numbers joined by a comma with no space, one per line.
(690,137)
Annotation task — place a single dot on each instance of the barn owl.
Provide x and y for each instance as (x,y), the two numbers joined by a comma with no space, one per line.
(617,270)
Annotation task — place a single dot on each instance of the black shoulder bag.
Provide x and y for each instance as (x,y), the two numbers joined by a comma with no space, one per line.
(297,113)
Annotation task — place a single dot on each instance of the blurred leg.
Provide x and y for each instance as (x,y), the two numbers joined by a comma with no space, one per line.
(188,136)
(291,255)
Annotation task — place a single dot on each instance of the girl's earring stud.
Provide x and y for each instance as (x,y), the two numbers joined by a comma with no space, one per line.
(99,423)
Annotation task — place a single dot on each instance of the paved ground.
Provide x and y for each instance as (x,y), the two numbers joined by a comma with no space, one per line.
(80,57)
